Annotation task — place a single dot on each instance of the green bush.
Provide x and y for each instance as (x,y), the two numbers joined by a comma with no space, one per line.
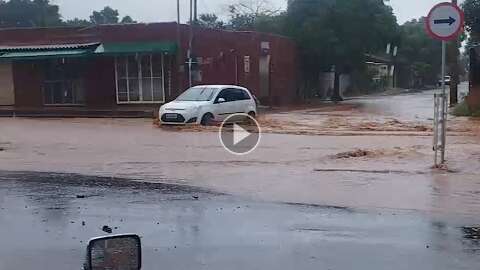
(461,109)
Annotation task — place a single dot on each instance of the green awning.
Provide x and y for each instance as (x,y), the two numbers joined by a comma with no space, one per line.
(137,47)
(38,55)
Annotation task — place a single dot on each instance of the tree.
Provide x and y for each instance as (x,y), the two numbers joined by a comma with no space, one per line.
(420,52)
(127,19)
(472,19)
(78,22)
(29,13)
(245,14)
(107,15)
(210,21)
(336,34)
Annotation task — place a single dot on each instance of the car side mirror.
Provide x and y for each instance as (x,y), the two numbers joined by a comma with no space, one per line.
(221,100)
(114,252)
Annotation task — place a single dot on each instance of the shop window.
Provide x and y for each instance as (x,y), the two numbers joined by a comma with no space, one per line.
(140,79)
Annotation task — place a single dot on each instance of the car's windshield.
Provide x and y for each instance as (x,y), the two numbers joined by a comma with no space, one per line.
(197,94)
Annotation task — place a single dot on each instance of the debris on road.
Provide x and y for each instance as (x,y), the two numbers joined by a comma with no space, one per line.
(107,229)
(80,196)
(3,146)
(354,154)
(471,232)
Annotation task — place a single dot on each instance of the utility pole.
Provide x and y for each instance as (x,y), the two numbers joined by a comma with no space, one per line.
(453,55)
(195,11)
(178,12)
(179,49)
(190,45)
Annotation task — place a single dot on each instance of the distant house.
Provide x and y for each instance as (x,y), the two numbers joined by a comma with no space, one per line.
(131,69)
(381,69)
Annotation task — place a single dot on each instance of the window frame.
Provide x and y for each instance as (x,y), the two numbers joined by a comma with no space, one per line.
(220,92)
(140,79)
(64,81)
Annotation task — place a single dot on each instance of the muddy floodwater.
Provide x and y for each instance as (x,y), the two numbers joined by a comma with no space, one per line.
(318,162)
(355,177)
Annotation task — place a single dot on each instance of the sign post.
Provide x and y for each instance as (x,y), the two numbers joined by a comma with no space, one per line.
(444,22)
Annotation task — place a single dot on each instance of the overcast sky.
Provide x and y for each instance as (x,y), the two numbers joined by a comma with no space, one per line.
(165,10)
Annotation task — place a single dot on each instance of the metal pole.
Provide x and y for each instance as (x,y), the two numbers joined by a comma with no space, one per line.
(178,11)
(445,103)
(179,51)
(190,45)
(195,11)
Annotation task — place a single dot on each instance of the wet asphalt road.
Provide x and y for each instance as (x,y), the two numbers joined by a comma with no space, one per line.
(47,219)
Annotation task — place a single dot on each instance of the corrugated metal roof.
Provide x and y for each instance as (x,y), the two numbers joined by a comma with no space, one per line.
(26,55)
(48,47)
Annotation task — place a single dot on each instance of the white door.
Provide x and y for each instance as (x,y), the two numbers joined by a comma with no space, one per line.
(7,94)
(244,103)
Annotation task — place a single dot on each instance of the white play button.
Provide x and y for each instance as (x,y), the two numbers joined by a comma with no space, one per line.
(240,134)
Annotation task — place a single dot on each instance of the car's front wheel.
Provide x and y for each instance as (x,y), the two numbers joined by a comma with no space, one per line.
(206,119)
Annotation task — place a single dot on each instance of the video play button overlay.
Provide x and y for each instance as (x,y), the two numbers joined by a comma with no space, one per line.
(240,134)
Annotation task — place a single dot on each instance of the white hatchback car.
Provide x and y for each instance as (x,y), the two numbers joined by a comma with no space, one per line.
(206,103)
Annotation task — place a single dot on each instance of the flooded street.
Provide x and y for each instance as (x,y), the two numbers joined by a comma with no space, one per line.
(385,164)
(47,220)
(327,182)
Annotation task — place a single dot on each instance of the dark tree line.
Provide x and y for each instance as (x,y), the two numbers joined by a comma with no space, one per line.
(331,34)
(42,13)
(337,35)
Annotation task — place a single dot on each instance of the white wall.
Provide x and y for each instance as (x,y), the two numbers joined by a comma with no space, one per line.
(326,84)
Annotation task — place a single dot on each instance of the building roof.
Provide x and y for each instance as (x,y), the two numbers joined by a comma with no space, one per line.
(48,47)
(136,47)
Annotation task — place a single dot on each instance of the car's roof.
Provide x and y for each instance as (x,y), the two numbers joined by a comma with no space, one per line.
(219,86)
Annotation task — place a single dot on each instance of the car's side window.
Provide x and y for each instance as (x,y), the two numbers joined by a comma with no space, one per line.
(227,94)
(236,95)
(244,95)
(233,94)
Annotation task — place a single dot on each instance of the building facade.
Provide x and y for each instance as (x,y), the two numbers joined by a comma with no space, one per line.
(473,98)
(134,68)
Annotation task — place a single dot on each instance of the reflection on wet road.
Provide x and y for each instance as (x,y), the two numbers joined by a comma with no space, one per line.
(47,219)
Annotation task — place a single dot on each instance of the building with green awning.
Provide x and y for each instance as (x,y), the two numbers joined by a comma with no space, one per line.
(134,68)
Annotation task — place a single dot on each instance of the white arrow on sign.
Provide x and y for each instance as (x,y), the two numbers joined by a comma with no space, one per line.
(445,21)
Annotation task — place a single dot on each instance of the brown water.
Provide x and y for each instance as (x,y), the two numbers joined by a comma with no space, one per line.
(304,156)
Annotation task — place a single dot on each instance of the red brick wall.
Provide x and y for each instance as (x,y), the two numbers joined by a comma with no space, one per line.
(27,84)
(223,47)
(100,82)
(219,47)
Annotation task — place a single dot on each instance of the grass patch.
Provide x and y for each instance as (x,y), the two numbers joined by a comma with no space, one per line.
(461,109)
